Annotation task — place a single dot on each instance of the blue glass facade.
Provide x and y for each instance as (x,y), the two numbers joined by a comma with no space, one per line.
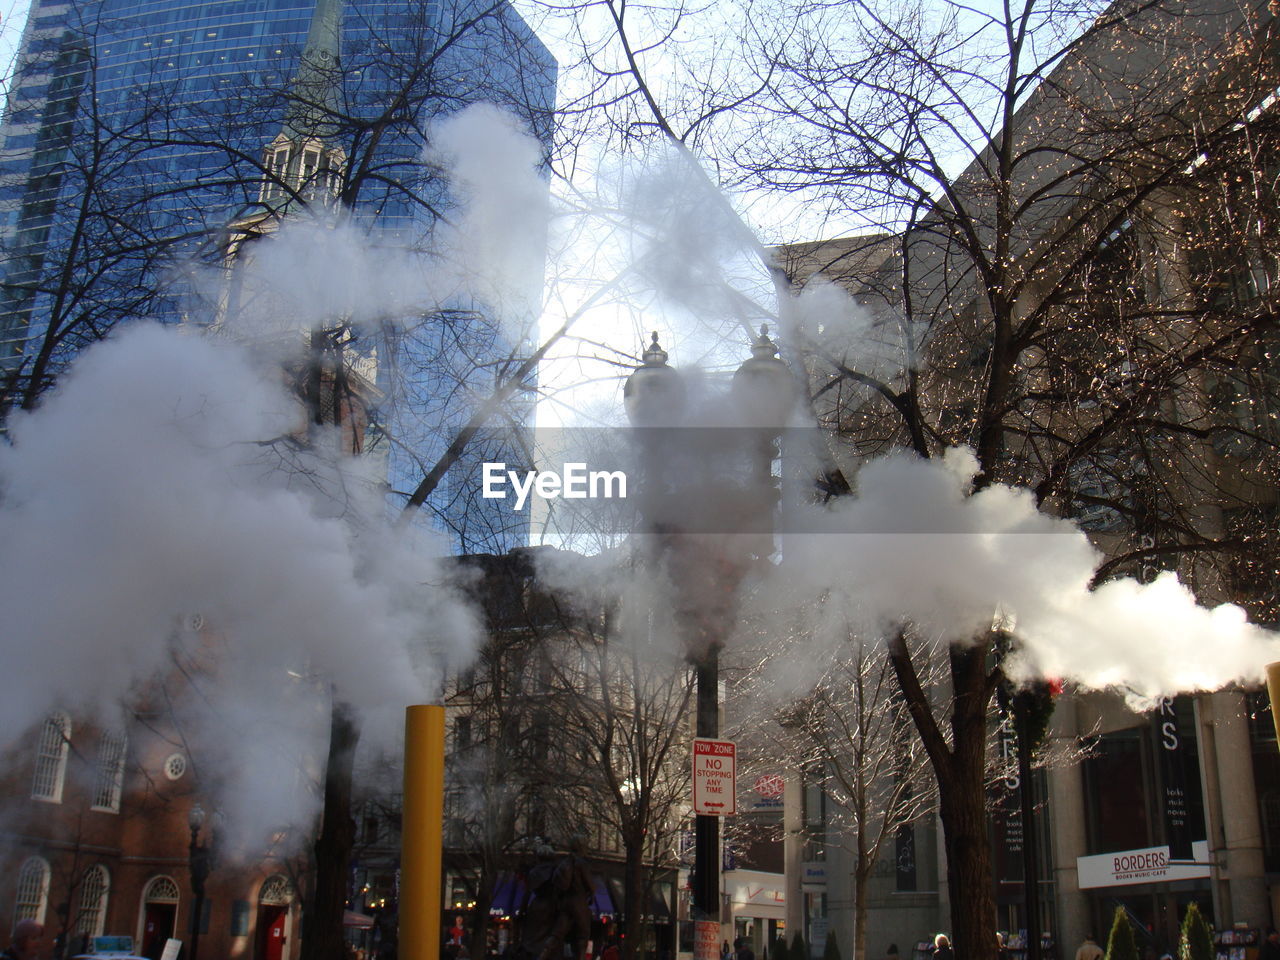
(156,113)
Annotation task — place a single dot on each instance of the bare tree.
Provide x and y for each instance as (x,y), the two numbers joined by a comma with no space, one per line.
(852,734)
(624,711)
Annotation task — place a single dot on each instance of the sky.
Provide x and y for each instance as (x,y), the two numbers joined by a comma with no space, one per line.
(13,16)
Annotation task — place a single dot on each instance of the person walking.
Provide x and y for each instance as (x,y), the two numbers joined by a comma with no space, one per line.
(1089,950)
(942,948)
(744,949)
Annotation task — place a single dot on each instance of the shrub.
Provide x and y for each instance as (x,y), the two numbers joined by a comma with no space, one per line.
(1195,942)
(1120,944)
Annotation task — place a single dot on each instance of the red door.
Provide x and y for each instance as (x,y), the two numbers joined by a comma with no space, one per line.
(271,931)
(157,928)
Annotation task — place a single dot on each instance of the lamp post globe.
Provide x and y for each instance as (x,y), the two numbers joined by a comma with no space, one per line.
(654,395)
(763,387)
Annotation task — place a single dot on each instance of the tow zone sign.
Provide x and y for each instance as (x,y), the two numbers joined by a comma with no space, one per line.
(715,777)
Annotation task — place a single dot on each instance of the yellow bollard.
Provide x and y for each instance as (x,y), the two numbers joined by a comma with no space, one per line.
(1273,693)
(422,833)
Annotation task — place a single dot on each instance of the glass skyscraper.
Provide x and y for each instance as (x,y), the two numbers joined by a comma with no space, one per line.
(136,129)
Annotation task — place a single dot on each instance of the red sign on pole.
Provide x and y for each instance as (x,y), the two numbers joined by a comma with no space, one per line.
(706,940)
(715,777)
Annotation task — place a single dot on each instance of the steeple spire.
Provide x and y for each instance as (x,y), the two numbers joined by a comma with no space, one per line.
(303,160)
(314,94)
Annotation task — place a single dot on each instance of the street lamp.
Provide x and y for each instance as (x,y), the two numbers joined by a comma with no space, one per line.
(761,397)
(200,860)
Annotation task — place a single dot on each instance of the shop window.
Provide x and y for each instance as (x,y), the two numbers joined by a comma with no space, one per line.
(904,846)
(1117,791)
(239,918)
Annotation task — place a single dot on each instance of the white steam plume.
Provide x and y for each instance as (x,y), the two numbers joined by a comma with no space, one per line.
(915,545)
(149,487)
(497,241)
(317,271)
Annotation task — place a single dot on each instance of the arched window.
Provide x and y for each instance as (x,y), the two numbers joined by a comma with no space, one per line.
(161,890)
(275,891)
(51,759)
(33,890)
(91,919)
(110,775)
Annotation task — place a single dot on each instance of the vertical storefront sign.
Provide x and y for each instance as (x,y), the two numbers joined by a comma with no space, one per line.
(1171,757)
(1006,817)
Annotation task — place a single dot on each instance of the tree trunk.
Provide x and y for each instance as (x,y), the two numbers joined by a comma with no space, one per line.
(322,937)
(861,878)
(633,892)
(969,877)
(478,948)
(962,801)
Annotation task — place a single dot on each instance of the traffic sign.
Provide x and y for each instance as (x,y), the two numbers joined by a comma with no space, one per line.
(715,777)
(706,940)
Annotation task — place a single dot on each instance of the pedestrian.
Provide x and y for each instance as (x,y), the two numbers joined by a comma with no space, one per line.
(1089,950)
(725,951)
(942,948)
(27,941)
(744,950)
(1002,951)
(1270,949)
(458,932)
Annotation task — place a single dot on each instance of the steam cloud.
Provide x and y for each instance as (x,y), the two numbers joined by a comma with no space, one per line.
(149,487)
(161,481)
(915,546)
(496,247)
(158,482)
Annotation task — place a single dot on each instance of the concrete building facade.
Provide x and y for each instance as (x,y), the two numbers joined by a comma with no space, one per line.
(1145,811)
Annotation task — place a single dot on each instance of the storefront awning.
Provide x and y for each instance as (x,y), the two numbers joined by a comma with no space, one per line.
(601,900)
(657,909)
(358,920)
(508,896)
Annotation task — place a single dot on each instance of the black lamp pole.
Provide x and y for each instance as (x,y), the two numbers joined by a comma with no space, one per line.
(198,860)
(763,392)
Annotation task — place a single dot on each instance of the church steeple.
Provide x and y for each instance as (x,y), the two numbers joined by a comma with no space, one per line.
(314,98)
(303,160)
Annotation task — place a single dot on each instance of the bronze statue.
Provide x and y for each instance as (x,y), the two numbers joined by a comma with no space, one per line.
(559,910)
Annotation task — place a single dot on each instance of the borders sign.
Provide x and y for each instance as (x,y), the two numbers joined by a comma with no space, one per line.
(715,777)
(1145,865)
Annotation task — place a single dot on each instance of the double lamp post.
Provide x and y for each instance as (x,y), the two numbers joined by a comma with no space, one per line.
(707,500)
